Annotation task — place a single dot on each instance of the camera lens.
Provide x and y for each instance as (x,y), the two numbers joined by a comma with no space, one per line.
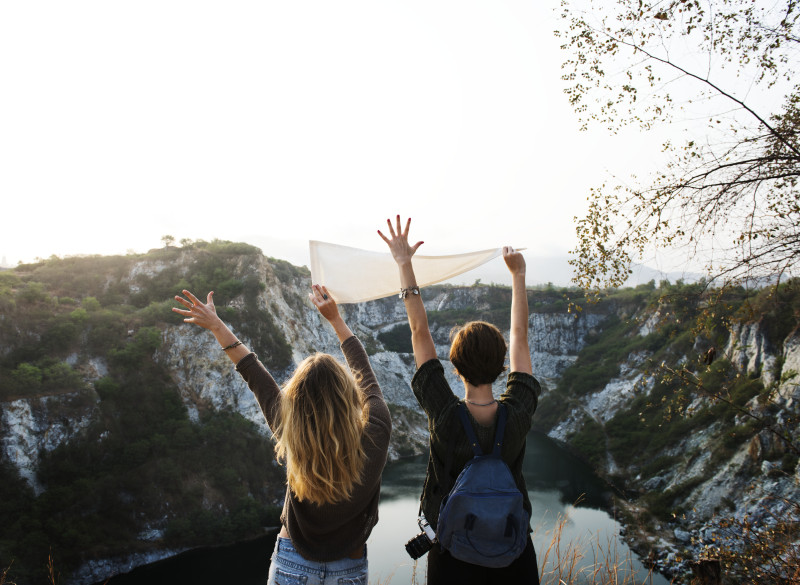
(418,546)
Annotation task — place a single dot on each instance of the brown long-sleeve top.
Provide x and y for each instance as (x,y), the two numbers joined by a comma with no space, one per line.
(332,531)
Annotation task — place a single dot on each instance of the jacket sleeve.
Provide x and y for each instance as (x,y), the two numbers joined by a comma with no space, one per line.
(358,362)
(263,385)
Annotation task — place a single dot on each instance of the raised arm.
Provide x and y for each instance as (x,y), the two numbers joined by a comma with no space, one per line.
(205,315)
(402,251)
(519,353)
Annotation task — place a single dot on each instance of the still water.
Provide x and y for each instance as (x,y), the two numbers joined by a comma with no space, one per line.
(563,491)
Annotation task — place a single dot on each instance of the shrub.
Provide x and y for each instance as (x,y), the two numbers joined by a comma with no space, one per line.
(32,293)
(144,343)
(27,378)
(90,304)
(397,339)
(590,441)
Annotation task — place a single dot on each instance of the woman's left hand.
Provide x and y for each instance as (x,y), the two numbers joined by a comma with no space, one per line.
(398,244)
(324,302)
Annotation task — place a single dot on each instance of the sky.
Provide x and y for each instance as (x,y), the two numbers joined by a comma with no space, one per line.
(275,123)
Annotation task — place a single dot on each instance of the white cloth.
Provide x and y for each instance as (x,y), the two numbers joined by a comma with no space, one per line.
(352,275)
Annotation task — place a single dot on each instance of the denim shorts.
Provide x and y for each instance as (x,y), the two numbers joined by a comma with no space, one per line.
(289,568)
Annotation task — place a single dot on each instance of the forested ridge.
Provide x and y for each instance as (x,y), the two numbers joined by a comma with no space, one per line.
(140,472)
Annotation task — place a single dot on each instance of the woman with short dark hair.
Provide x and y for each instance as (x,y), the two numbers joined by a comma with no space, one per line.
(478,354)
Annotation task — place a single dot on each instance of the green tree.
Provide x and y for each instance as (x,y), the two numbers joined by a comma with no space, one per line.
(27,377)
(90,304)
(727,197)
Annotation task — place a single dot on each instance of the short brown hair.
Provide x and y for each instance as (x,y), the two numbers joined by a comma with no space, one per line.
(478,352)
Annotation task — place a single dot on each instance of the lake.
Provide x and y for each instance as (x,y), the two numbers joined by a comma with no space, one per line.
(564,492)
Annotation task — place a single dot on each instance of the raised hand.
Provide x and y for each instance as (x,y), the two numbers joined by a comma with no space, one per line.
(398,244)
(324,302)
(327,307)
(197,312)
(514,260)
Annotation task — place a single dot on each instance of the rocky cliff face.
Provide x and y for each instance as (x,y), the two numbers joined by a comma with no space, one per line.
(206,380)
(747,481)
(750,484)
(36,425)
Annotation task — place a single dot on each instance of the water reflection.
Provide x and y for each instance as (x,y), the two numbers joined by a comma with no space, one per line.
(567,499)
(548,467)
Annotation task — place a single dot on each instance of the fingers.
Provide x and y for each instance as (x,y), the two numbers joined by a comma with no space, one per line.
(398,242)
(189,317)
(319,295)
(183,301)
(192,298)
(196,311)
(514,260)
(192,302)
(186,303)
(396,230)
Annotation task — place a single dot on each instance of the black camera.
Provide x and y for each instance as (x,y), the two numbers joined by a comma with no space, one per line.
(422,542)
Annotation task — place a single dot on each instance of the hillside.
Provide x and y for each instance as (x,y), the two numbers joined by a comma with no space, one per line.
(126,434)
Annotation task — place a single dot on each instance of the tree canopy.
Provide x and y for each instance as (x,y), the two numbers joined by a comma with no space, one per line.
(722,70)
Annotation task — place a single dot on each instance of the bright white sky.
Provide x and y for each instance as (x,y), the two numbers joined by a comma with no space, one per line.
(278,122)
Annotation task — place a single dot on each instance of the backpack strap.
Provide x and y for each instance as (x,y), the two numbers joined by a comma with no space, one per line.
(448,467)
(502,416)
(500,433)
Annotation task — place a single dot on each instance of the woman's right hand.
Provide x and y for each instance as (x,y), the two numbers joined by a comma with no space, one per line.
(327,307)
(398,244)
(324,302)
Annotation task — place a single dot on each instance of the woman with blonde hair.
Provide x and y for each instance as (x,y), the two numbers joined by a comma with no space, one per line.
(332,429)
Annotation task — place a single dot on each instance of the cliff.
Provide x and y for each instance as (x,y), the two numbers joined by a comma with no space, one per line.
(97,373)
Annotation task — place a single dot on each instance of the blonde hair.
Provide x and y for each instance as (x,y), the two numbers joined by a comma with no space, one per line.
(322,421)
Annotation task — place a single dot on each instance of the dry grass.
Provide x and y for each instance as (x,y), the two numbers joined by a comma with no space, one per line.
(582,562)
(51,571)
(587,562)
(4,577)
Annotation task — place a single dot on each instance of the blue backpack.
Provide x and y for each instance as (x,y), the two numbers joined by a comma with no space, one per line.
(481,520)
